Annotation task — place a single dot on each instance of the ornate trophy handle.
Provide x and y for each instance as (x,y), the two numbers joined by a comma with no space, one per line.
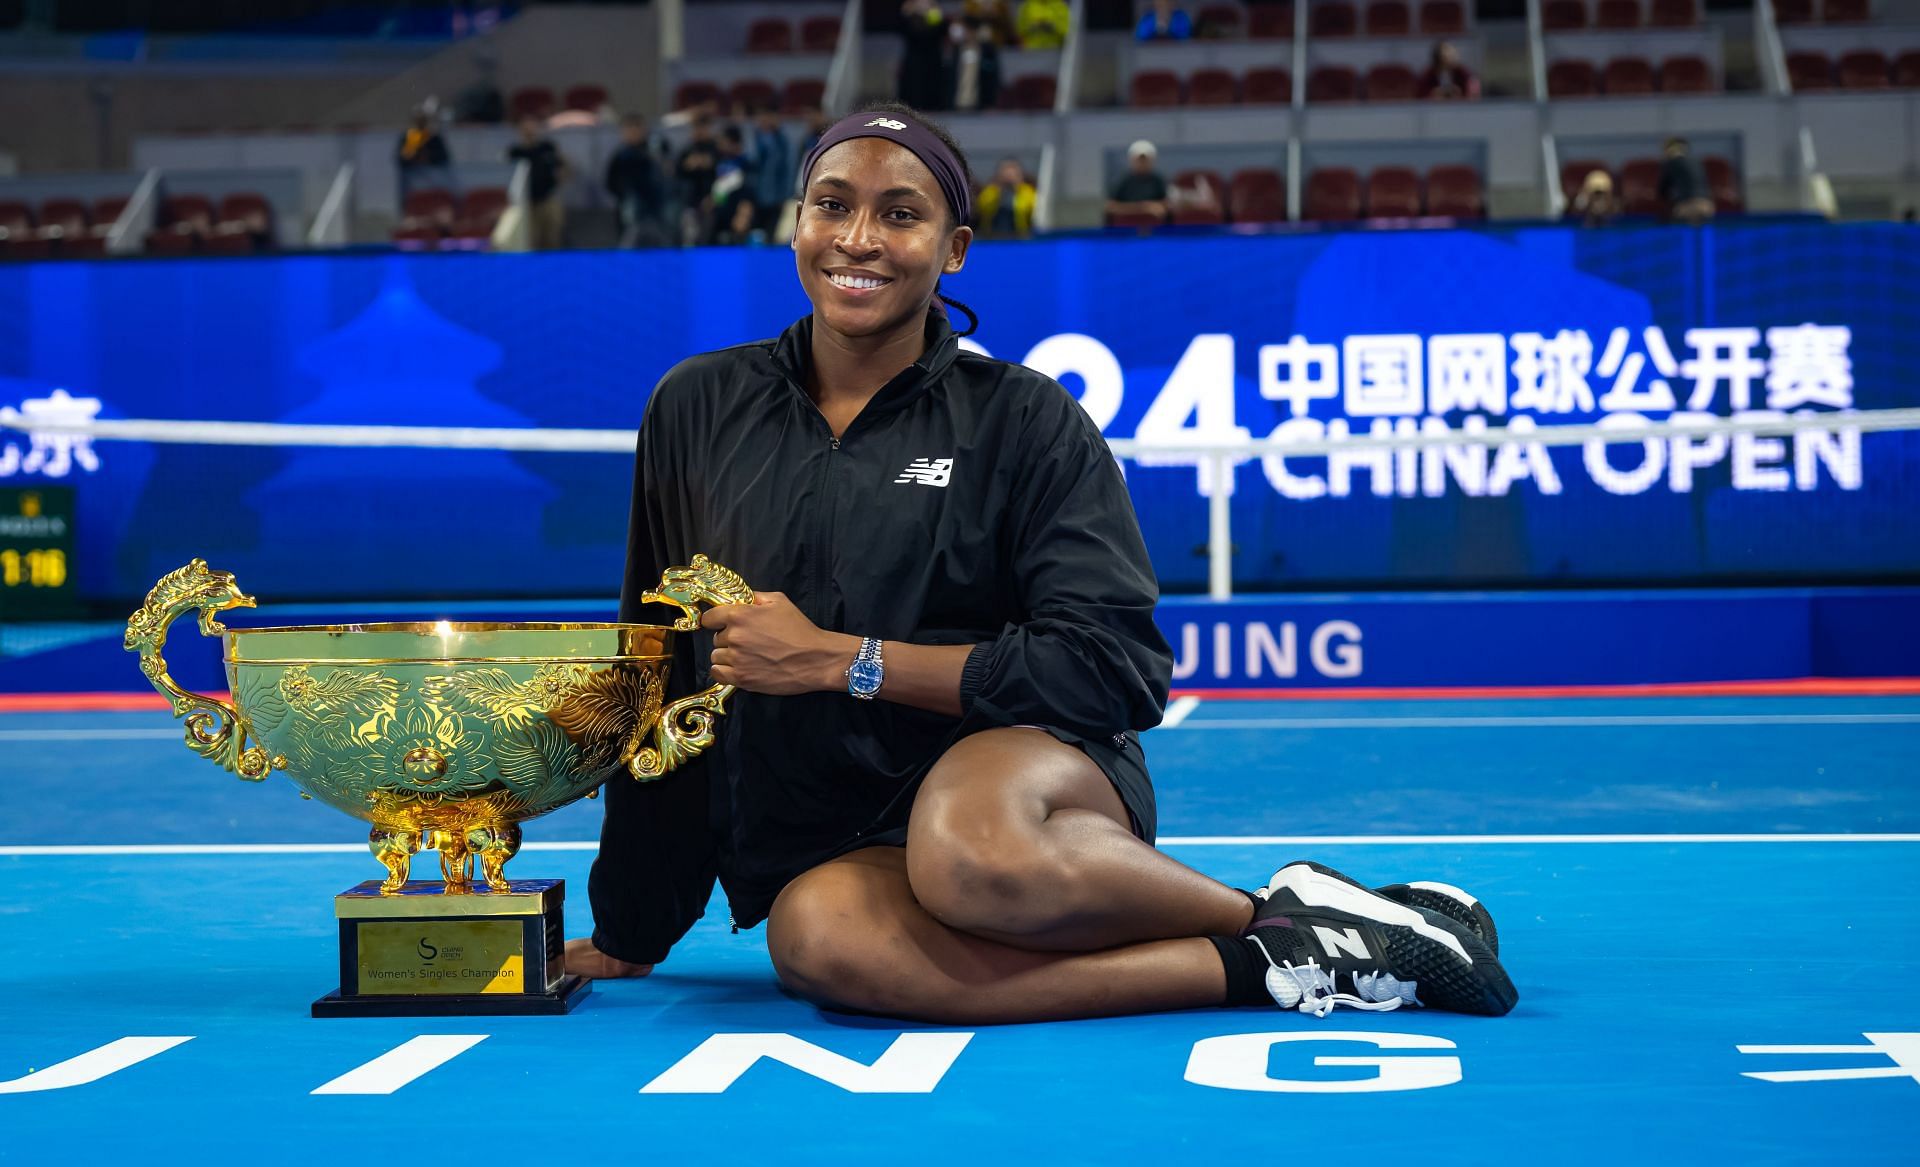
(215,729)
(686,726)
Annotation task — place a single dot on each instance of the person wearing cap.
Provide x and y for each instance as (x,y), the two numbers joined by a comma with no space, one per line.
(929,780)
(1141,190)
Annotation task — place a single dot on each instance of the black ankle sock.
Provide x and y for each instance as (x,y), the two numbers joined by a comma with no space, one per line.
(1246,970)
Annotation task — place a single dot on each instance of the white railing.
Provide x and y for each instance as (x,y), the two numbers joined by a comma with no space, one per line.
(128,232)
(332,227)
(843,75)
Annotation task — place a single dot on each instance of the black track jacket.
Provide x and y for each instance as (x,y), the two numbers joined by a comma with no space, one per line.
(971,502)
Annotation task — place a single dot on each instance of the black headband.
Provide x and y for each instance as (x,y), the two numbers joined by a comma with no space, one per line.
(925,145)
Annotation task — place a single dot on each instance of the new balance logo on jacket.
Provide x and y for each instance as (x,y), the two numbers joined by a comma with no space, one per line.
(928,471)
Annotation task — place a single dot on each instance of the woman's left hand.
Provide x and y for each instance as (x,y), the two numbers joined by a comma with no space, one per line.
(769,646)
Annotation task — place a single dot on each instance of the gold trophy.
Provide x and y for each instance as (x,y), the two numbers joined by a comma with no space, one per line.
(445,736)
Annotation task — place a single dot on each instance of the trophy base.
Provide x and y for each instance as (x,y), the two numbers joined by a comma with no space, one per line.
(425,952)
(573,990)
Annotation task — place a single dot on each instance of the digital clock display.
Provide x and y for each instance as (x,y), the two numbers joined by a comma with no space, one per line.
(36,552)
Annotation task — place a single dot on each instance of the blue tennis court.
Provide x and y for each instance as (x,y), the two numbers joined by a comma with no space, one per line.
(1706,903)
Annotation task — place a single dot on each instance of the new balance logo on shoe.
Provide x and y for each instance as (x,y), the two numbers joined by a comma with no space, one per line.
(1346,942)
(928,472)
(888,123)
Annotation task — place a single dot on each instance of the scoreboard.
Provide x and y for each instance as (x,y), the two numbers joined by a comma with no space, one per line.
(36,552)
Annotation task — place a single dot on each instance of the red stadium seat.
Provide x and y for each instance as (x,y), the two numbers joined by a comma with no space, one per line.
(69,215)
(1268,86)
(1906,69)
(1218,20)
(16,217)
(1333,83)
(1809,72)
(534,101)
(803,94)
(1573,175)
(1614,15)
(1392,81)
(820,34)
(1724,181)
(1793,11)
(1392,192)
(107,211)
(1563,15)
(1864,69)
(229,239)
(1212,87)
(1455,192)
(1389,18)
(193,211)
(771,35)
(1570,79)
(744,97)
(431,205)
(1843,11)
(1639,187)
(588,98)
(1153,89)
(1032,91)
(483,202)
(1270,21)
(248,208)
(172,241)
(1140,220)
(1673,14)
(1332,196)
(1687,75)
(1332,18)
(691,93)
(1443,18)
(1196,198)
(1257,195)
(1627,77)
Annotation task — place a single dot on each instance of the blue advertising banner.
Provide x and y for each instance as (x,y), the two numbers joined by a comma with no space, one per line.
(1357,333)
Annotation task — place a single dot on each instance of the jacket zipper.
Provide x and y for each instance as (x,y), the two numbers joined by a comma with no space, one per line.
(822,573)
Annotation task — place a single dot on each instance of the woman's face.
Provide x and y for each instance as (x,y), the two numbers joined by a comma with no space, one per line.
(874,237)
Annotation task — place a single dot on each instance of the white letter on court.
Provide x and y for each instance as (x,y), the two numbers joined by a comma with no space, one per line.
(1238,1061)
(93,1065)
(913,1064)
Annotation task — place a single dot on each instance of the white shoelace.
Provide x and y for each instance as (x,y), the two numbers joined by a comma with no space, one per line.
(1312,989)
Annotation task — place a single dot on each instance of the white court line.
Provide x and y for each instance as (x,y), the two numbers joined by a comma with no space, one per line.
(402,1064)
(1511,722)
(58,849)
(1178,711)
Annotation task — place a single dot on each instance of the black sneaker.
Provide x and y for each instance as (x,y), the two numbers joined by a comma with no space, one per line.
(1328,941)
(1448,900)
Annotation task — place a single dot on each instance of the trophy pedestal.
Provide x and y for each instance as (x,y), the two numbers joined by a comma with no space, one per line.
(424,953)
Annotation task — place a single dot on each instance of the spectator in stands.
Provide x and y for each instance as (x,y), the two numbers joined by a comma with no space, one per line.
(546,171)
(634,182)
(923,66)
(817,123)
(1043,23)
(1447,77)
(995,17)
(1141,190)
(695,169)
(773,170)
(1596,204)
(1683,185)
(482,102)
(1004,208)
(1165,21)
(422,154)
(732,199)
(976,68)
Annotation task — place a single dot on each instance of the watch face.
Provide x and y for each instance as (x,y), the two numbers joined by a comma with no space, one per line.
(866,676)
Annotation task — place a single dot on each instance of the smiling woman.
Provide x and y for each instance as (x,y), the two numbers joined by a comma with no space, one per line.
(931,784)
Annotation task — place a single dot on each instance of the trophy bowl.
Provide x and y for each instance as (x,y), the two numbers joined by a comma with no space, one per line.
(444,735)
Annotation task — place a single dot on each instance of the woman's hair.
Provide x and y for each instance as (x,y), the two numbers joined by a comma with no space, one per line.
(896,110)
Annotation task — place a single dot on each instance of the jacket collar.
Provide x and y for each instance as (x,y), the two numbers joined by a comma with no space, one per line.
(793,354)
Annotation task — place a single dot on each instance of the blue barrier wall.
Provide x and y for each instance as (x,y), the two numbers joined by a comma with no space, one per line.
(1217,336)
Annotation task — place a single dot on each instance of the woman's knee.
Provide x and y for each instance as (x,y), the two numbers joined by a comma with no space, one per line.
(984,871)
(824,939)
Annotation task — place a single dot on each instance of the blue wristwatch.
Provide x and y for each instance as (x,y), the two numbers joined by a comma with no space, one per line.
(866,672)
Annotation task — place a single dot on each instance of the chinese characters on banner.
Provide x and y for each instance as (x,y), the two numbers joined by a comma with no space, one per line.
(50,455)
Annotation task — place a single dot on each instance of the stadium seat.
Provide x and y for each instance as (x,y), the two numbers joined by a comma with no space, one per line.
(820,34)
(1332,18)
(69,215)
(1391,81)
(691,93)
(229,239)
(1212,87)
(1615,15)
(248,208)
(770,35)
(743,97)
(1687,75)
(172,241)
(1573,175)
(1864,69)
(1392,192)
(1906,69)
(484,202)
(1809,71)
(1332,196)
(1443,18)
(195,212)
(1218,20)
(429,206)
(1843,11)
(530,101)
(1627,77)
(1639,187)
(1389,18)
(1333,83)
(1140,220)
(1724,181)
(1793,11)
(16,217)
(1570,79)
(1267,85)
(1673,14)
(1196,198)
(805,93)
(1269,21)
(1035,91)
(1455,192)
(107,210)
(1153,89)
(588,98)
(1257,195)
(1563,15)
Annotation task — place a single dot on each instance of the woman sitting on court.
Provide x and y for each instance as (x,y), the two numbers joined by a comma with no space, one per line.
(930,783)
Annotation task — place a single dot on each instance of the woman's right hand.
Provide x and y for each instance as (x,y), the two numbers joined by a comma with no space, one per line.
(585,960)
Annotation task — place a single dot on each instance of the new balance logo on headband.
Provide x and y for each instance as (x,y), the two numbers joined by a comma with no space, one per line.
(928,472)
(889,123)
